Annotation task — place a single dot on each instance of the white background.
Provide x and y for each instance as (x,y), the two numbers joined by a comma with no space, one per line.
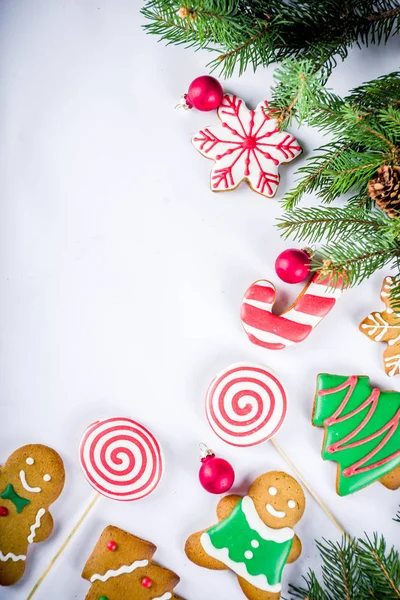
(122,276)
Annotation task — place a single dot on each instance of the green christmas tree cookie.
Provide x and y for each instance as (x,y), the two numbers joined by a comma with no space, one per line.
(362,431)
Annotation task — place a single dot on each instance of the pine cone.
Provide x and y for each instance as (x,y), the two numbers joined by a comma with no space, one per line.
(385,190)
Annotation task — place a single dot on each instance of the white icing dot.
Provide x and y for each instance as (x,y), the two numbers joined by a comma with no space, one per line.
(255,543)
(291,504)
(29,461)
(273,491)
(46,477)
(248,554)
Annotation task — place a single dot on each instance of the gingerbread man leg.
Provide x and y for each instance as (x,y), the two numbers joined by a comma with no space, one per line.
(196,553)
(11,572)
(253,593)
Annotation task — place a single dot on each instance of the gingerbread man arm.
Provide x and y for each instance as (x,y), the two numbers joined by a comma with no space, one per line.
(43,530)
(226,506)
(295,551)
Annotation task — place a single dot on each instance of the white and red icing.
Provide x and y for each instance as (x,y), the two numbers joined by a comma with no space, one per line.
(247,144)
(245,404)
(276,332)
(389,429)
(121,459)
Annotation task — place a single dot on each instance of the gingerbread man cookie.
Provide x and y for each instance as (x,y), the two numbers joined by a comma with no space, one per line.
(32,478)
(254,537)
(121,567)
(384,326)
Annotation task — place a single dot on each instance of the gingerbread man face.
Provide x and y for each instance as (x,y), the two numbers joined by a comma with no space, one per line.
(278,498)
(36,473)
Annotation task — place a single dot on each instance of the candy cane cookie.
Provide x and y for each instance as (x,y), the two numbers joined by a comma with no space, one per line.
(276,332)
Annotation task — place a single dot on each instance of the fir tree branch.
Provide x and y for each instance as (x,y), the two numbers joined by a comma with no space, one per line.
(331,224)
(239,31)
(383,568)
(385,14)
(360,569)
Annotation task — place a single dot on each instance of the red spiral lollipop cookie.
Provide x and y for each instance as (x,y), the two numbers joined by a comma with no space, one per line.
(245,404)
(121,459)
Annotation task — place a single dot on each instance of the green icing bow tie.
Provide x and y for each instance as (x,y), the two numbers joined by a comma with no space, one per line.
(10,494)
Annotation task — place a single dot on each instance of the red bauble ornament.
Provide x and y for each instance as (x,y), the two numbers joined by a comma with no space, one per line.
(204,93)
(147,582)
(293,265)
(112,546)
(216,475)
(3,511)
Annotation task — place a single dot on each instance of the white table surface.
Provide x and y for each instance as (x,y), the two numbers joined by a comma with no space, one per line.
(122,276)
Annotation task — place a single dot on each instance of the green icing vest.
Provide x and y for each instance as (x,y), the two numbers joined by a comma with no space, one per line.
(251,549)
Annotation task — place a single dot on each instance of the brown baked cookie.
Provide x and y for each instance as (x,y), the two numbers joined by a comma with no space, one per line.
(121,567)
(254,537)
(32,478)
(384,326)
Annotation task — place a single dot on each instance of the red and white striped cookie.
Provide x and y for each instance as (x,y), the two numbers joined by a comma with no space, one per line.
(245,404)
(121,459)
(293,326)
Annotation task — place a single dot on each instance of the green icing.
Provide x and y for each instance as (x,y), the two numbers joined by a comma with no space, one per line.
(10,494)
(236,535)
(377,437)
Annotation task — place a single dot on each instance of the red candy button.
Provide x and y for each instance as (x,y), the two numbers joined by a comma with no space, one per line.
(147,582)
(3,511)
(112,546)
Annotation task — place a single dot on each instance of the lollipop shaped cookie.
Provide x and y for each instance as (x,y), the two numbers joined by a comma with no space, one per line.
(246,404)
(121,459)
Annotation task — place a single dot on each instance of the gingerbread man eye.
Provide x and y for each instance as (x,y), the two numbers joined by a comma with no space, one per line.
(273,491)
(46,477)
(29,461)
(291,504)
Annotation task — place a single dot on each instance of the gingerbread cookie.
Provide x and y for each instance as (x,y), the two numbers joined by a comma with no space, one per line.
(121,567)
(248,145)
(362,431)
(254,537)
(31,479)
(385,327)
(275,332)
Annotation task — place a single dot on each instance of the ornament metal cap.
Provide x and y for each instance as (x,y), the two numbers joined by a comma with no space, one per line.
(205,451)
(183,103)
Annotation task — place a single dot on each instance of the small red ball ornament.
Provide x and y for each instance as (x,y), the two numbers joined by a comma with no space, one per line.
(293,265)
(147,582)
(112,546)
(205,93)
(3,511)
(216,475)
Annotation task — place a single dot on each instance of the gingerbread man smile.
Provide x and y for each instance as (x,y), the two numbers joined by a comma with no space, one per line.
(22,476)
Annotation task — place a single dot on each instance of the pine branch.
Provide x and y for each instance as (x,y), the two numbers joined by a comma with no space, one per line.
(360,569)
(259,32)
(333,224)
(382,568)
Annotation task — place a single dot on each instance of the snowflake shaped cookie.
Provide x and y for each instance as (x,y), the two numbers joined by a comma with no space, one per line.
(385,327)
(247,145)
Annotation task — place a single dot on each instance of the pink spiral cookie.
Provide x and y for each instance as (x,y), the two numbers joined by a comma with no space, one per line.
(245,404)
(276,332)
(121,459)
